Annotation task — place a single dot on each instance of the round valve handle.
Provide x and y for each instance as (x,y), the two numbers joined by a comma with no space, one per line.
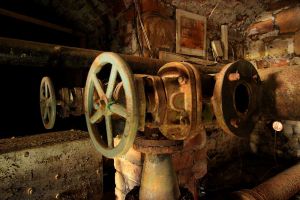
(47,103)
(107,106)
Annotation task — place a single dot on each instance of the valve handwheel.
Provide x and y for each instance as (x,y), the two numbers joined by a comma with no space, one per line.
(47,103)
(106,106)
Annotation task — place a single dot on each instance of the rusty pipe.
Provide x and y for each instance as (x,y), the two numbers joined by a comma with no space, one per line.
(281,187)
(158,178)
(242,94)
(280,92)
(16,52)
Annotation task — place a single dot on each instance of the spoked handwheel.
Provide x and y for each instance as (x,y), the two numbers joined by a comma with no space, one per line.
(47,103)
(99,104)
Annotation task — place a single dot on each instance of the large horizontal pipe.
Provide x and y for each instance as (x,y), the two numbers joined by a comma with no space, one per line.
(280,98)
(16,52)
(283,186)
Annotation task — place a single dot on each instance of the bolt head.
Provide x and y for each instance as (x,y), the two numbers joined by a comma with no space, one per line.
(184,120)
(57,176)
(30,191)
(182,80)
(234,76)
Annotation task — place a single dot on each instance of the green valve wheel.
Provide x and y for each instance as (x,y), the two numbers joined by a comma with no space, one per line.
(47,103)
(99,105)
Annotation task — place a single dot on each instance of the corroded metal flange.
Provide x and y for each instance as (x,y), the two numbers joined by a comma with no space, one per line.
(183,93)
(236,98)
(157,146)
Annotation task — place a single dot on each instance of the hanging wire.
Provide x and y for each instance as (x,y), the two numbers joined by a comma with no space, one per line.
(142,26)
(275,147)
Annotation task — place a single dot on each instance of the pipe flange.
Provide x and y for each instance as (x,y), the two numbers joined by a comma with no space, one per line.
(236,98)
(157,146)
(180,88)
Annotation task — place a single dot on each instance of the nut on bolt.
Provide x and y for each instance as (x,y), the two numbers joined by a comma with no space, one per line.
(184,120)
(235,122)
(234,76)
(182,80)
(30,191)
(57,176)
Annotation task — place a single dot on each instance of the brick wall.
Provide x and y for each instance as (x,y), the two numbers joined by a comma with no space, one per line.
(284,145)
(158,23)
(190,165)
(273,40)
(159,20)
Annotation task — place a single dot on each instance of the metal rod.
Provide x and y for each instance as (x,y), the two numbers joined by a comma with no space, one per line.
(16,52)
(38,22)
(281,187)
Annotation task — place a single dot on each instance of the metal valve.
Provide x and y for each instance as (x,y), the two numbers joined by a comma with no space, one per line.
(68,101)
(170,102)
(165,109)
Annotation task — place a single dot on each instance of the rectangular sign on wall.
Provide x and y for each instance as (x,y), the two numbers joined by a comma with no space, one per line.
(190,33)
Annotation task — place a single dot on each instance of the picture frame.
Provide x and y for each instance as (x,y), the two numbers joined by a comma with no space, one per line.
(190,33)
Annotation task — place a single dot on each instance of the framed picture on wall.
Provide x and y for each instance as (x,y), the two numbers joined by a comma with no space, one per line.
(190,33)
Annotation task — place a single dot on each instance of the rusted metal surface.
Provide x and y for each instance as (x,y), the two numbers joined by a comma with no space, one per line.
(59,165)
(174,101)
(182,85)
(157,100)
(235,100)
(280,92)
(157,146)
(281,187)
(15,52)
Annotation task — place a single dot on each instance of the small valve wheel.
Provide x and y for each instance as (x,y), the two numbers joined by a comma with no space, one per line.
(95,112)
(47,103)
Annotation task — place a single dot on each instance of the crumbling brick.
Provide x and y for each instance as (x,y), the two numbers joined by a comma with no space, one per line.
(261,27)
(128,169)
(288,20)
